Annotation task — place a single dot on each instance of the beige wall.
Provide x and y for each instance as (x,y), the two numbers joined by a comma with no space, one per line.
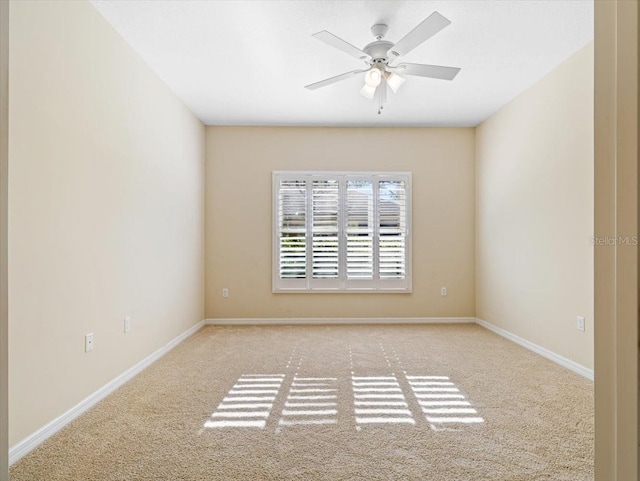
(534,212)
(240,161)
(4,189)
(106,210)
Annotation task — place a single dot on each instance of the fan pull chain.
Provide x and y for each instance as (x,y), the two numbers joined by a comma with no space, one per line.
(382,97)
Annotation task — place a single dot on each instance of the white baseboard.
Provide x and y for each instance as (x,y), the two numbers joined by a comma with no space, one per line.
(35,439)
(558,359)
(339,320)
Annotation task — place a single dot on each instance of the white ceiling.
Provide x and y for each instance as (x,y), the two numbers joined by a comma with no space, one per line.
(245,62)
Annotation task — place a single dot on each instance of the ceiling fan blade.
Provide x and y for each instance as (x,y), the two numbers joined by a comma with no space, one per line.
(332,80)
(337,42)
(424,31)
(431,71)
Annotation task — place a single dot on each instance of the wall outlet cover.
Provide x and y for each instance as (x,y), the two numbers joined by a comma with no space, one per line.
(88,342)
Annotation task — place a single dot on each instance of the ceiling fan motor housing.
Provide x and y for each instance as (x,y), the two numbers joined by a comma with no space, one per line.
(378,50)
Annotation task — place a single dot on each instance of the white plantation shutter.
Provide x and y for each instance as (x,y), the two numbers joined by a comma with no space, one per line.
(359,231)
(392,218)
(292,232)
(325,231)
(337,231)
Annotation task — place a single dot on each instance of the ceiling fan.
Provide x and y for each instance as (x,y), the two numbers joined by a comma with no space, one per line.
(380,55)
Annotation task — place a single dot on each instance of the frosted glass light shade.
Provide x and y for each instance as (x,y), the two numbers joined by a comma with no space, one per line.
(373,77)
(394,81)
(368,91)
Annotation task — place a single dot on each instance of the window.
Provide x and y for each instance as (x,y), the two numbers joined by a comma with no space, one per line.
(337,231)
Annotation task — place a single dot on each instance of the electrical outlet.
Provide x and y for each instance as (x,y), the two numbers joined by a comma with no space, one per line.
(88,342)
(127,324)
(443,291)
(225,292)
(580,323)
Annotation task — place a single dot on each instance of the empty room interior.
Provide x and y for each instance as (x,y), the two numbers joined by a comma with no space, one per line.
(280,240)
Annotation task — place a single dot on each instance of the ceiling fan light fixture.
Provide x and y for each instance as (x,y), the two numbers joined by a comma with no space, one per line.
(394,81)
(373,77)
(368,91)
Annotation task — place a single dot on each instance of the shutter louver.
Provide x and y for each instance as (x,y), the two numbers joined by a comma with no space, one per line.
(292,215)
(325,198)
(359,229)
(392,203)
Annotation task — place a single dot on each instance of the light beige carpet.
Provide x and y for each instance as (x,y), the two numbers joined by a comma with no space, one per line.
(435,402)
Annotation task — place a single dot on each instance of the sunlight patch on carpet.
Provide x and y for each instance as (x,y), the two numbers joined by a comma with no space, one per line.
(427,388)
(239,407)
(305,394)
(394,397)
(383,389)
(376,400)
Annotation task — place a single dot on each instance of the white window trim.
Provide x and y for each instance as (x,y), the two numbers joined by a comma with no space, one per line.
(343,285)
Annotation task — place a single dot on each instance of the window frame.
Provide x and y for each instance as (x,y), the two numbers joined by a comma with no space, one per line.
(308,284)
